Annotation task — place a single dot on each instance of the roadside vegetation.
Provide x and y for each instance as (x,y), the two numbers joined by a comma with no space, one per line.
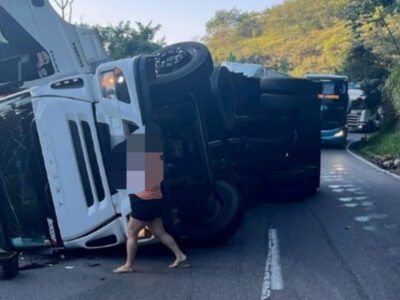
(384,147)
(127,39)
(385,143)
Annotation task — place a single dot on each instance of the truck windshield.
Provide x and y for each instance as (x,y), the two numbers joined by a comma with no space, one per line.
(334,99)
(332,87)
(358,104)
(23,182)
(22,58)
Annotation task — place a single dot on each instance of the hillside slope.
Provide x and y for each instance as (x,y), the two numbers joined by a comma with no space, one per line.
(297,37)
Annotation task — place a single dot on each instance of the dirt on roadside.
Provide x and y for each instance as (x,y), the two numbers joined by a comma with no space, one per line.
(390,163)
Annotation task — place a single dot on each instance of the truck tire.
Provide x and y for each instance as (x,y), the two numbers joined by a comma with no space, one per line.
(292,86)
(180,67)
(227,218)
(223,97)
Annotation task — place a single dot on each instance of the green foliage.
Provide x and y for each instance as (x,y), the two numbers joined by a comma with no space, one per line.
(298,36)
(361,63)
(234,21)
(123,40)
(391,92)
(231,57)
(386,142)
(308,36)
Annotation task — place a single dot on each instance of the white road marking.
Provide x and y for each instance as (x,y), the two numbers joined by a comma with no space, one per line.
(338,186)
(378,216)
(351,205)
(346,199)
(370,217)
(370,228)
(333,180)
(362,219)
(273,274)
(367,203)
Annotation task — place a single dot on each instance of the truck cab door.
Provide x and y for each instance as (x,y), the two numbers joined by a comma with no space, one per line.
(117,98)
(116,118)
(72,155)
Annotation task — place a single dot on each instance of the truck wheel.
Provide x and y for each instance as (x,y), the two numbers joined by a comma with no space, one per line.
(181,65)
(223,224)
(223,96)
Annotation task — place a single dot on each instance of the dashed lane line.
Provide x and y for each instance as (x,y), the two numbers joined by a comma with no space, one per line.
(273,273)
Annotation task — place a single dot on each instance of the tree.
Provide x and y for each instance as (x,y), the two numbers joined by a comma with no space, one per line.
(391,93)
(231,57)
(123,40)
(375,45)
(362,63)
(371,15)
(256,59)
(364,66)
(298,36)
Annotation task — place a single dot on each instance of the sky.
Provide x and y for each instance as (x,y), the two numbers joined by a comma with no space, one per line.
(181,20)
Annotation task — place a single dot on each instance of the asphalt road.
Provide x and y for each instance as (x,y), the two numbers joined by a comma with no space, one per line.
(344,243)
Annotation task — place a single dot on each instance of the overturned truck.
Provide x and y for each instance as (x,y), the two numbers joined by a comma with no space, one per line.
(227,139)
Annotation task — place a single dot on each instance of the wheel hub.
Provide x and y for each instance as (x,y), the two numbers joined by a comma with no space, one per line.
(171,60)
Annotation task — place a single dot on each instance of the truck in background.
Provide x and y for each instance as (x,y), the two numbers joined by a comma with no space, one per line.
(334,108)
(360,117)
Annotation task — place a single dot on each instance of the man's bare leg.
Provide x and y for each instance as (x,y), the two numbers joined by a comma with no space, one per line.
(157,228)
(134,227)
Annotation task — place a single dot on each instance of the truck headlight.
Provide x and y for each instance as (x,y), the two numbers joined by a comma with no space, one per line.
(340,133)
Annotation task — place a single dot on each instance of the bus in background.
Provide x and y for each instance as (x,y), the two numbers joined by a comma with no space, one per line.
(334,107)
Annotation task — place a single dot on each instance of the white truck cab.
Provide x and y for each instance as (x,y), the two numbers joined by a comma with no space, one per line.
(76,120)
(360,118)
(73,107)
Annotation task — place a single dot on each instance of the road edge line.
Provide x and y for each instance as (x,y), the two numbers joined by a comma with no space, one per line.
(368,162)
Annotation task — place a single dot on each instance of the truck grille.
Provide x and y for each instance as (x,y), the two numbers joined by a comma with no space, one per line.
(353,120)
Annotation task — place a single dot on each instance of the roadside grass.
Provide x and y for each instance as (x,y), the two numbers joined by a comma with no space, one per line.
(386,142)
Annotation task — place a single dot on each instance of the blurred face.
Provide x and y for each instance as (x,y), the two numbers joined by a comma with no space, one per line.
(144,164)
